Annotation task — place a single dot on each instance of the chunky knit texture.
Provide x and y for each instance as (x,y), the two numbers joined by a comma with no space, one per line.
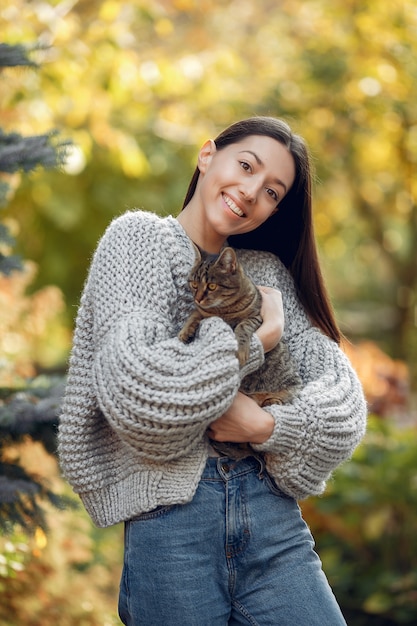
(138,401)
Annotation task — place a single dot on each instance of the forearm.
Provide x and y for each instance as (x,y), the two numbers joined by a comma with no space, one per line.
(243,422)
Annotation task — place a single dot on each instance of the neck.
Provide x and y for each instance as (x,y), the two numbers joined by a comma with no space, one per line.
(195,228)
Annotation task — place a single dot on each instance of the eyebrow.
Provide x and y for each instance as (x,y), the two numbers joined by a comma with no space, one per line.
(260,162)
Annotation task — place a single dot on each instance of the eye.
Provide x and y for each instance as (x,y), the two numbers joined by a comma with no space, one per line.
(245,166)
(212,286)
(193,284)
(273,194)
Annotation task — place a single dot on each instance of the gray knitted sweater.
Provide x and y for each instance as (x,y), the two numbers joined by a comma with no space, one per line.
(132,432)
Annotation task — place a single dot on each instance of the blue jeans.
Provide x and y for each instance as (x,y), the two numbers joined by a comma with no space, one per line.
(239,553)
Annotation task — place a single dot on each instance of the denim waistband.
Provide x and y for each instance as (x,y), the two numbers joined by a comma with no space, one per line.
(225,468)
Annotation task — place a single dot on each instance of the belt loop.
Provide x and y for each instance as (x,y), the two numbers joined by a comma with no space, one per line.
(261,461)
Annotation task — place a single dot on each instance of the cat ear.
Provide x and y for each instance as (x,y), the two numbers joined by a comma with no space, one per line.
(196,252)
(228,260)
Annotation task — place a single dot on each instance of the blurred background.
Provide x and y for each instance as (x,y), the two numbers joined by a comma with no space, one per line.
(130,90)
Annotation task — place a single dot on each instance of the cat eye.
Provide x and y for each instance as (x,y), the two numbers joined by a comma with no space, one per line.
(194,284)
(212,286)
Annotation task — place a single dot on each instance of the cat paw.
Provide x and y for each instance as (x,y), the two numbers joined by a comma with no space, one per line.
(243,356)
(267,398)
(185,337)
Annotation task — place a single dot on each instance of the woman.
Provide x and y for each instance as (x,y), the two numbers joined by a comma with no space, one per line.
(211,541)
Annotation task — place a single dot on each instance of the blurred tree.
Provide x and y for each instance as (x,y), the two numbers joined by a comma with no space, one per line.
(358,83)
(142,84)
(365,528)
(25,414)
(19,153)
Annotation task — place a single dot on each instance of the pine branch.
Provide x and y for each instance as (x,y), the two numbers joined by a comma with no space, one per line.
(26,153)
(4,192)
(32,412)
(21,496)
(11,263)
(5,236)
(13,56)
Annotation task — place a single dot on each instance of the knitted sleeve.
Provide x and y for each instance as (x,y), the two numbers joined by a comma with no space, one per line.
(324,423)
(158,394)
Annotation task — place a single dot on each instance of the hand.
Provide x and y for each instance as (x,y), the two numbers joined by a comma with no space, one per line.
(272,312)
(243,422)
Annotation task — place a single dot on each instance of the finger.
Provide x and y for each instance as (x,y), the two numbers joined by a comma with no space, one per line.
(267,289)
(211,433)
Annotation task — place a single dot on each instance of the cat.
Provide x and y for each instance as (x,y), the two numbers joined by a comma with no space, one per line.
(220,287)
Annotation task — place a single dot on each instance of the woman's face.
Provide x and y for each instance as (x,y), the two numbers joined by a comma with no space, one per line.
(241,185)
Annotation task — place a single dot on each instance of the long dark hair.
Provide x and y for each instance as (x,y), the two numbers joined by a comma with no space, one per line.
(289,232)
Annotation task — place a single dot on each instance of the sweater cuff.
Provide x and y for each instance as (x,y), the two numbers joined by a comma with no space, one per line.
(286,431)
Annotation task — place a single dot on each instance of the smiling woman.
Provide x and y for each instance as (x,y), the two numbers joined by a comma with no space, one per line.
(288,232)
(212,540)
(239,187)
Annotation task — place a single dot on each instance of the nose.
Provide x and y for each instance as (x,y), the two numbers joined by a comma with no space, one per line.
(249,191)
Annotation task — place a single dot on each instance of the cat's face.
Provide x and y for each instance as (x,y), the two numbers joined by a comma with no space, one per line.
(213,282)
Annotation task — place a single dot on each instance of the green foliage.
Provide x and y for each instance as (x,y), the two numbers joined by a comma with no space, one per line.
(366,528)
(20,498)
(27,153)
(10,262)
(67,577)
(30,413)
(13,556)
(25,414)
(142,84)
(18,153)
(13,56)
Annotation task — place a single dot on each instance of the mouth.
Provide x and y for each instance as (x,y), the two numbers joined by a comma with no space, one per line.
(233,206)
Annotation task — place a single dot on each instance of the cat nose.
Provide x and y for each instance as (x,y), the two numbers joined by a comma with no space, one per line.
(199,295)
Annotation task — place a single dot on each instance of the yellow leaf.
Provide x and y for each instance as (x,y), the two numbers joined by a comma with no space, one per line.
(109,10)
(133,161)
(374,525)
(164,27)
(40,538)
(377,603)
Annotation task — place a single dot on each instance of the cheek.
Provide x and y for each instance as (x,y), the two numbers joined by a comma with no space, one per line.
(267,213)
(221,173)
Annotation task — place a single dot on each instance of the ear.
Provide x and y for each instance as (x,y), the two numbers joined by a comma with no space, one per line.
(205,155)
(228,260)
(197,252)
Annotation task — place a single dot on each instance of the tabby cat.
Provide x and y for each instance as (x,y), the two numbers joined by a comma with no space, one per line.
(220,287)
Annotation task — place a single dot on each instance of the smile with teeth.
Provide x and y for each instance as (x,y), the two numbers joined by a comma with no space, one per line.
(232,206)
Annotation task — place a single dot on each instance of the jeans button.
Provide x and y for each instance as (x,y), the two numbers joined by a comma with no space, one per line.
(225,467)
